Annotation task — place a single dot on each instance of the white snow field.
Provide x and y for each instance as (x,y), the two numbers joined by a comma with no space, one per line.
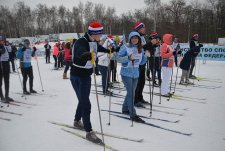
(201,113)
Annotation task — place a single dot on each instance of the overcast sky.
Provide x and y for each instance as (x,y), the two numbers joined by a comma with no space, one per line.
(121,6)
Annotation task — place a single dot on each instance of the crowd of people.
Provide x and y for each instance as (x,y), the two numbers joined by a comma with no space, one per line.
(142,58)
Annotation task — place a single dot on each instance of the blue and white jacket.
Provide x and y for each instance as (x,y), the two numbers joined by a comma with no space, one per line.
(25,55)
(123,58)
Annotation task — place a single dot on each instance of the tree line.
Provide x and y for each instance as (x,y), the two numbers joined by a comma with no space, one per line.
(177,17)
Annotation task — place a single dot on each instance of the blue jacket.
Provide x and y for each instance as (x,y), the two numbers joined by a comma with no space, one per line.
(124,59)
(20,55)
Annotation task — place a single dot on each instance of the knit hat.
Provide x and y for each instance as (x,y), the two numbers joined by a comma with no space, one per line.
(154,33)
(138,26)
(110,36)
(95,28)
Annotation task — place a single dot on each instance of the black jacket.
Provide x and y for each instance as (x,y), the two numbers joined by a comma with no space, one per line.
(188,57)
(154,62)
(81,54)
(47,49)
(2,49)
(195,49)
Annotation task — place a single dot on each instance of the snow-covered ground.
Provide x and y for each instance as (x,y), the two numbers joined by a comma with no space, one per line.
(205,119)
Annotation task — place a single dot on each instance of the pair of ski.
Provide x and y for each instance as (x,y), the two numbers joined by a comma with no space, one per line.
(147,108)
(105,134)
(20,104)
(36,94)
(113,95)
(152,125)
(8,112)
(151,118)
(184,98)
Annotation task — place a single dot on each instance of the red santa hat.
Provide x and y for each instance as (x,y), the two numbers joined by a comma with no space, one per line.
(95,28)
(138,26)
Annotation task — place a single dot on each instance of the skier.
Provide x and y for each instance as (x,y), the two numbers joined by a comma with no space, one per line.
(67,59)
(55,54)
(131,56)
(80,77)
(60,55)
(103,66)
(153,47)
(138,99)
(12,54)
(25,55)
(176,47)
(4,71)
(167,53)
(47,52)
(185,64)
(194,46)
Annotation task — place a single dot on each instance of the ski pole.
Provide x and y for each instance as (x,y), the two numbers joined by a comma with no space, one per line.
(194,71)
(109,70)
(149,83)
(175,82)
(96,91)
(132,86)
(160,96)
(153,80)
(20,80)
(199,62)
(39,74)
(171,80)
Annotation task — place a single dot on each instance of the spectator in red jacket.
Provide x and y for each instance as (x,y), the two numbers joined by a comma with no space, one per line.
(67,59)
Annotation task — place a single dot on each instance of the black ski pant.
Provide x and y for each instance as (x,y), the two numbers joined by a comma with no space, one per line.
(47,57)
(82,88)
(56,60)
(60,60)
(113,66)
(13,65)
(4,73)
(27,72)
(192,66)
(140,85)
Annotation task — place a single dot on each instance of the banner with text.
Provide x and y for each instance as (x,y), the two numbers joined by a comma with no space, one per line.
(216,53)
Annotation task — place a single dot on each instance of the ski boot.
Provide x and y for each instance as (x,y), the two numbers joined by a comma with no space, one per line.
(91,136)
(78,125)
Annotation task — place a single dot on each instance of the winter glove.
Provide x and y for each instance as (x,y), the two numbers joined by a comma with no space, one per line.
(131,57)
(179,52)
(86,56)
(200,45)
(147,54)
(175,53)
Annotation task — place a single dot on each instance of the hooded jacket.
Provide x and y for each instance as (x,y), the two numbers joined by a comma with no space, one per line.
(167,51)
(123,58)
(55,50)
